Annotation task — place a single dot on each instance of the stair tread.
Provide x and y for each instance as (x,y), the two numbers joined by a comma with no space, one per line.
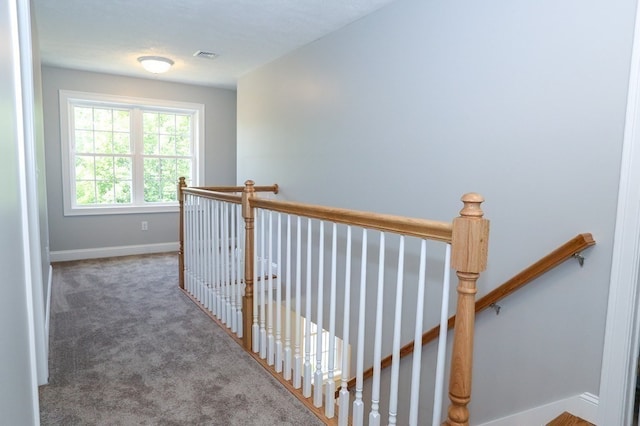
(568,419)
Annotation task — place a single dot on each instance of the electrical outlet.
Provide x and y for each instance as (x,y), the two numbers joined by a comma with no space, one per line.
(145,225)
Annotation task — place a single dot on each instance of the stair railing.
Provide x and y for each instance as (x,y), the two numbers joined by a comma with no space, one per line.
(570,249)
(289,237)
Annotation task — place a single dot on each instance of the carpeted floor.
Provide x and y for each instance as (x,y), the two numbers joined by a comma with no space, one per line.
(127,347)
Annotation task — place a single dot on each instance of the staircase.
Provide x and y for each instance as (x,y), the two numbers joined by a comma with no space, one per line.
(568,419)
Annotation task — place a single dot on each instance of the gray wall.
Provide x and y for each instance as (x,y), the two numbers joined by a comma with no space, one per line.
(18,394)
(83,232)
(524,102)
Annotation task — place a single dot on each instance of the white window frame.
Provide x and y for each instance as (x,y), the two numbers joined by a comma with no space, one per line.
(69,99)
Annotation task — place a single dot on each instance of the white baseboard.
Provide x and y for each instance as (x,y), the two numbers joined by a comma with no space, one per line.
(584,405)
(96,253)
(47,310)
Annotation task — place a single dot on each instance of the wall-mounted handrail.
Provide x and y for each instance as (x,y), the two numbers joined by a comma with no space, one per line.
(545,264)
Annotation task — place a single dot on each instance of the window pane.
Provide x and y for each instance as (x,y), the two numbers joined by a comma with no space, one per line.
(184,169)
(102,119)
(150,143)
(151,167)
(105,193)
(183,145)
(84,141)
(123,192)
(121,143)
(104,143)
(169,192)
(150,122)
(167,123)
(104,169)
(123,168)
(152,173)
(83,118)
(167,145)
(84,168)
(85,193)
(151,189)
(121,120)
(183,124)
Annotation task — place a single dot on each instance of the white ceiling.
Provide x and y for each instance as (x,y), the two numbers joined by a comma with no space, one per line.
(109,35)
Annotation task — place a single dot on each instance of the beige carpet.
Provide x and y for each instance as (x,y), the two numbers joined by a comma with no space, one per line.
(128,348)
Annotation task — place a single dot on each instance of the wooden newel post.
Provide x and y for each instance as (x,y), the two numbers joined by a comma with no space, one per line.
(181,184)
(247,301)
(469,246)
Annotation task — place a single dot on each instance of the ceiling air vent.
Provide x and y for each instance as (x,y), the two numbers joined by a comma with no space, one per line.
(206,55)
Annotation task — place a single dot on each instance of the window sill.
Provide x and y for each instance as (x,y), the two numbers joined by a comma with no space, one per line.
(102,211)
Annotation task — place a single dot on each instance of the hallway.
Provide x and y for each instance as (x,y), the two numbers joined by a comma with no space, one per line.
(127,347)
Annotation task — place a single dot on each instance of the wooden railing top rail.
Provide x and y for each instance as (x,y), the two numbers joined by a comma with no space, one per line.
(421,228)
(222,196)
(267,188)
(225,193)
(545,264)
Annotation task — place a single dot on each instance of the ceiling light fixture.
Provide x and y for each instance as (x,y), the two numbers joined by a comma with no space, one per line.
(155,64)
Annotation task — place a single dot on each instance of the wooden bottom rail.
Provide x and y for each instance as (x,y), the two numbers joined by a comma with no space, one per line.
(545,264)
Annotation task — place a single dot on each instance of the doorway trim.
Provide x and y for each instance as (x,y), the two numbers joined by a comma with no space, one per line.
(622,330)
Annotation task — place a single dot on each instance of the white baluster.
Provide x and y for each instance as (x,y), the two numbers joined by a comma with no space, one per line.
(194,232)
(317,391)
(191,248)
(233,283)
(190,242)
(240,266)
(297,356)
(374,414)
(330,400)
(278,354)
(358,403)
(417,340)
(306,379)
(206,226)
(397,324)
(211,219)
(220,253)
(287,307)
(269,260)
(226,251)
(442,340)
(220,263)
(186,242)
(201,261)
(343,416)
(255,329)
(214,261)
(263,305)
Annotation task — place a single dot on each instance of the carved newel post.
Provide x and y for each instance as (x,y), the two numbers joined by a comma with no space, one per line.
(469,257)
(181,184)
(247,301)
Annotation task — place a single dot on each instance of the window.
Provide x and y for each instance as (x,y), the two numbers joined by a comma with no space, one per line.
(125,155)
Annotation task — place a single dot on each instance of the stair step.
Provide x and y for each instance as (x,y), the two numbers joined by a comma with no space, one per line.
(568,419)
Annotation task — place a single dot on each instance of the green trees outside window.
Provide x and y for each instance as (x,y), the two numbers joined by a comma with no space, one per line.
(128,155)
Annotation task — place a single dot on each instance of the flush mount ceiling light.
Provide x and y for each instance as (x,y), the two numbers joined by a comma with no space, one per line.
(155,64)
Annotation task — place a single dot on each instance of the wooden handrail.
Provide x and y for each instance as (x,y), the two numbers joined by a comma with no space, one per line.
(270,188)
(221,196)
(421,228)
(545,264)
(225,193)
